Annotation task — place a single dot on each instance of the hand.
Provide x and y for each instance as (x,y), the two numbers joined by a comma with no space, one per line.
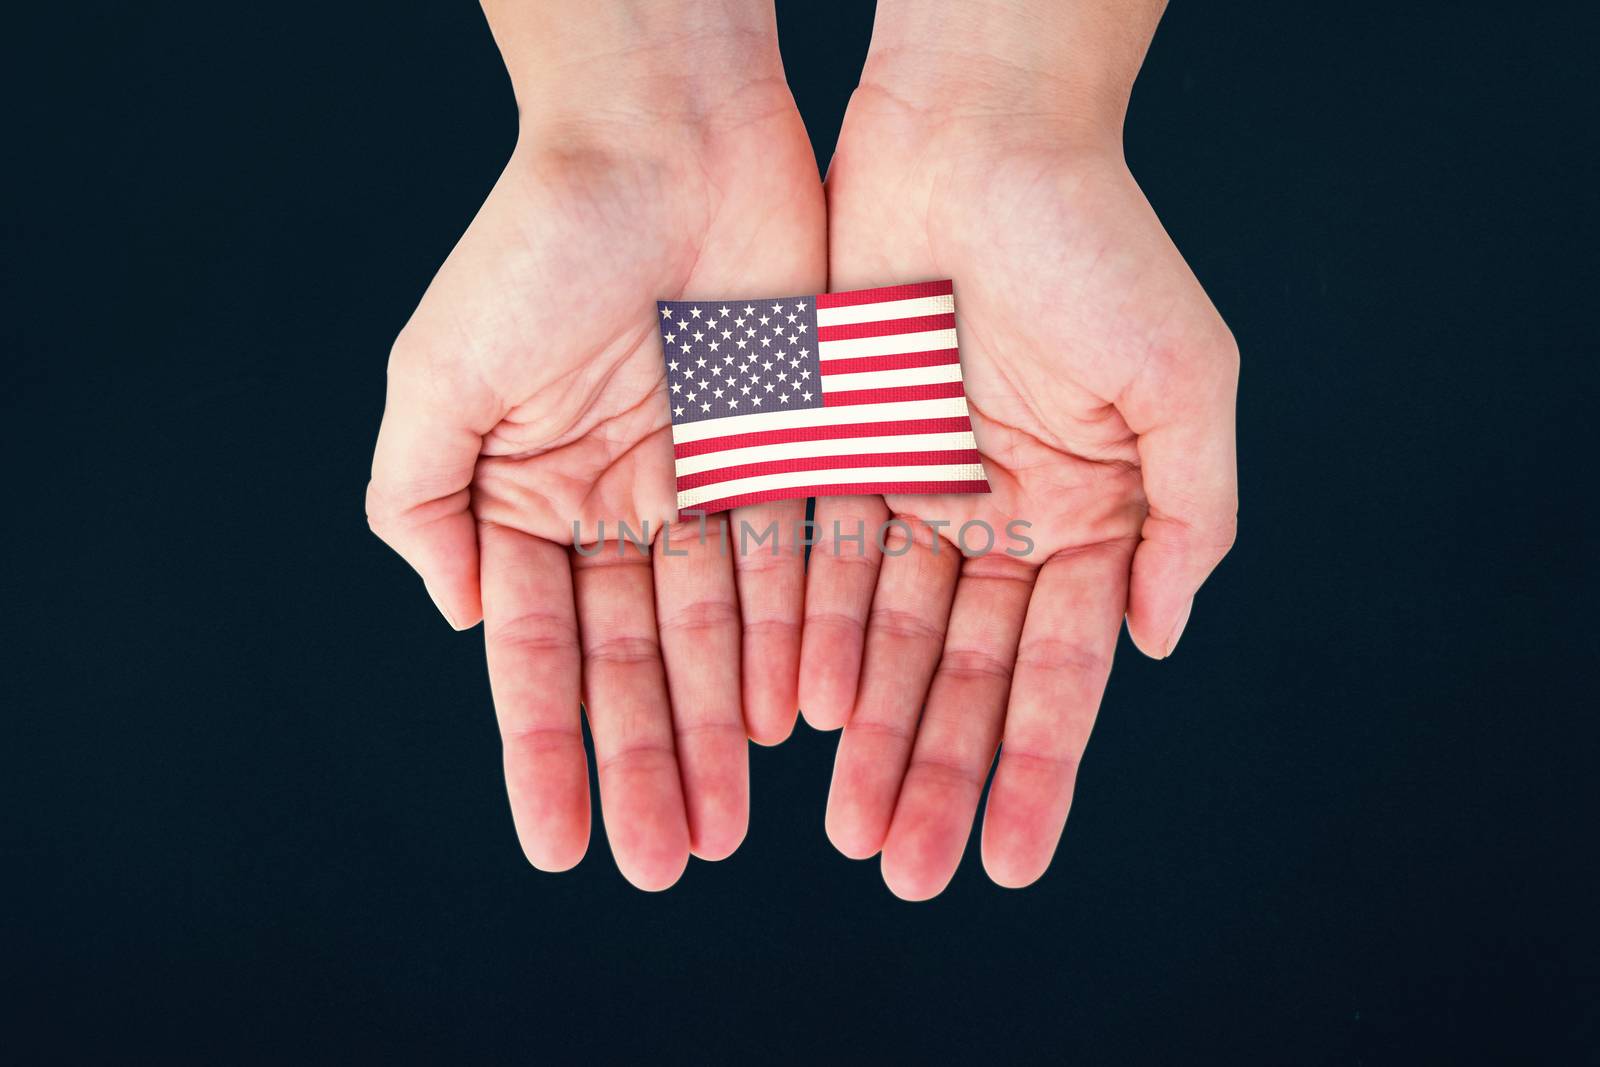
(1101,387)
(660,155)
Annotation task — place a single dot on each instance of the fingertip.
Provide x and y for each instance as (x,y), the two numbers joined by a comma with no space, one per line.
(558,856)
(718,843)
(655,865)
(1158,639)
(769,731)
(909,879)
(1010,871)
(1153,648)
(718,826)
(823,706)
(823,721)
(1012,857)
(656,877)
(849,834)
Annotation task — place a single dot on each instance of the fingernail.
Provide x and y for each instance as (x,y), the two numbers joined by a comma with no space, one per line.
(440,605)
(1177,631)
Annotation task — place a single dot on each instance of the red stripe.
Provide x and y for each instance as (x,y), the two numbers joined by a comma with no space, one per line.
(847,489)
(885,327)
(893,394)
(891,292)
(951,424)
(900,361)
(822,463)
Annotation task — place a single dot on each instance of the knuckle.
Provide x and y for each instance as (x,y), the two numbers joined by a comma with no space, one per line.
(382,515)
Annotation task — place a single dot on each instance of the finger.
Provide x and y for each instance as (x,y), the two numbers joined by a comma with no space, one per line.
(1184,416)
(905,633)
(1062,663)
(531,639)
(960,728)
(770,565)
(840,578)
(698,610)
(417,499)
(625,693)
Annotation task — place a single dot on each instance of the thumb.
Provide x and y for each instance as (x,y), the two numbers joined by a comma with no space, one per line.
(419,499)
(1183,411)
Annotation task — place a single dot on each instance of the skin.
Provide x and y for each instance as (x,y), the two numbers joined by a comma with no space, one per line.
(984,145)
(660,155)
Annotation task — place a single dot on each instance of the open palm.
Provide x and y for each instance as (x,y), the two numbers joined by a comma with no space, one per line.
(525,410)
(1100,382)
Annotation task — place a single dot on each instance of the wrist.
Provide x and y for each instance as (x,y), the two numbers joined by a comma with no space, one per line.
(1066,66)
(666,63)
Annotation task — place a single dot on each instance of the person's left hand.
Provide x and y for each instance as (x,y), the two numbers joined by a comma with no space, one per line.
(1100,382)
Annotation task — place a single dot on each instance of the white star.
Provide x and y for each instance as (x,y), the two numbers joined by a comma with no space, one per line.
(698,336)
(672,338)
(726,334)
(777,309)
(666,313)
(685,347)
(803,353)
(784,399)
(763,320)
(691,398)
(683,324)
(705,407)
(744,390)
(677,387)
(800,327)
(769,387)
(748,310)
(767,365)
(713,346)
(716,370)
(792,316)
(694,313)
(678,412)
(765,341)
(756,400)
(672,364)
(717,393)
(805,374)
(740,342)
(701,362)
(723,311)
(794,363)
(800,306)
(805,396)
(750,332)
(782,377)
(733,402)
(728,359)
(738,322)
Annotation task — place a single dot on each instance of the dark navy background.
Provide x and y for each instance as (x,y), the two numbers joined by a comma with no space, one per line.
(250,783)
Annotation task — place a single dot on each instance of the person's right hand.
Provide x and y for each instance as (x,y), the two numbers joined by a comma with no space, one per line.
(660,155)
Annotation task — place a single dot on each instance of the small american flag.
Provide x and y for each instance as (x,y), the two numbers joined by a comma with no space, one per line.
(831,395)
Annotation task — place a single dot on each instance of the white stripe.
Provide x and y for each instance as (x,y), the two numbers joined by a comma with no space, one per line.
(893,344)
(841,446)
(955,472)
(888,379)
(887,309)
(945,408)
